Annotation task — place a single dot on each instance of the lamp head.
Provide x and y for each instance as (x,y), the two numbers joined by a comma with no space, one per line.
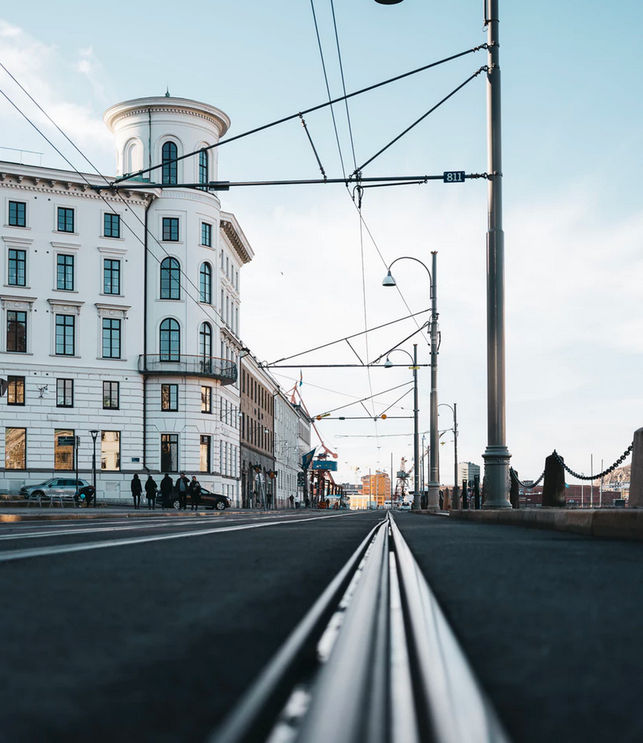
(388,2)
(388,280)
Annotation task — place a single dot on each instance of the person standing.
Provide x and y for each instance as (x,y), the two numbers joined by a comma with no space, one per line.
(137,488)
(167,486)
(195,493)
(182,486)
(150,492)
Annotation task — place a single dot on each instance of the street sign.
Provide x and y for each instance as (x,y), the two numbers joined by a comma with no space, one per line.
(453,176)
(325,464)
(66,440)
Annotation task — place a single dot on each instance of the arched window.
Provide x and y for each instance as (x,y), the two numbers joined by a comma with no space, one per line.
(203,167)
(205,285)
(170,340)
(170,279)
(132,156)
(168,158)
(205,342)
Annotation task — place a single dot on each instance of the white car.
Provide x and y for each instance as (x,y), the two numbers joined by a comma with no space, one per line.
(57,487)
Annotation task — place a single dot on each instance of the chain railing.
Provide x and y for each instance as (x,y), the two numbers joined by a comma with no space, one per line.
(598,475)
(523,485)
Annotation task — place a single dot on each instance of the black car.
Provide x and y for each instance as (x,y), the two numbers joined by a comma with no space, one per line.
(208,500)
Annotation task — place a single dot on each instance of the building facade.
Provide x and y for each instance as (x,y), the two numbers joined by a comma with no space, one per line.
(375,488)
(467,471)
(120,310)
(286,449)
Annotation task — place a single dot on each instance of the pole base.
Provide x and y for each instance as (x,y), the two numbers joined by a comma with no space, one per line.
(496,477)
(433,497)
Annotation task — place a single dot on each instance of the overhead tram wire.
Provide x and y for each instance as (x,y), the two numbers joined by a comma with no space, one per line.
(332,110)
(290,117)
(341,70)
(363,399)
(103,199)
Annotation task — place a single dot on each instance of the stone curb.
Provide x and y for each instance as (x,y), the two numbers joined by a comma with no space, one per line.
(81,514)
(612,523)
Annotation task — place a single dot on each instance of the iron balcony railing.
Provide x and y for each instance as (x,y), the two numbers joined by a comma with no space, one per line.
(198,366)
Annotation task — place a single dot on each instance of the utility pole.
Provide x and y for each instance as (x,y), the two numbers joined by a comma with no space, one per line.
(434,464)
(455,500)
(416,433)
(496,455)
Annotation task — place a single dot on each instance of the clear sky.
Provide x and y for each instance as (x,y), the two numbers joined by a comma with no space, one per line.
(573,217)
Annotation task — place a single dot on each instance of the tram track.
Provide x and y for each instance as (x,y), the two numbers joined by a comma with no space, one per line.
(373,660)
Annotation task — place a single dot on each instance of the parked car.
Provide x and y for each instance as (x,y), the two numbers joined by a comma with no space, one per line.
(208,500)
(59,487)
(405,506)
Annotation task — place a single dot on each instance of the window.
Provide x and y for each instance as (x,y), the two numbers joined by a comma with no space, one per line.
(64,393)
(206,234)
(17,214)
(111,395)
(206,399)
(168,158)
(111,338)
(17,267)
(170,229)
(111,276)
(169,397)
(110,450)
(65,335)
(206,448)
(15,448)
(170,279)
(16,331)
(169,452)
(63,449)
(205,285)
(111,225)
(65,272)
(170,340)
(205,345)
(15,390)
(203,167)
(65,219)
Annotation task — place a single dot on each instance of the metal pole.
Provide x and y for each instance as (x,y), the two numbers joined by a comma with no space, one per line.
(496,455)
(391,483)
(76,442)
(455,500)
(591,482)
(94,469)
(416,434)
(434,472)
(600,489)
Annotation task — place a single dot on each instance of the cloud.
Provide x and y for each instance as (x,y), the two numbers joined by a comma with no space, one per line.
(57,82)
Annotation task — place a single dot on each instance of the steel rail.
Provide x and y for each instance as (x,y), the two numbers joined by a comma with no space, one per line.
(254,717)
(373,660)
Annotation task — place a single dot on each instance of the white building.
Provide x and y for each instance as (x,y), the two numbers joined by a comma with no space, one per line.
(109,326)
(467,471)
(287,457)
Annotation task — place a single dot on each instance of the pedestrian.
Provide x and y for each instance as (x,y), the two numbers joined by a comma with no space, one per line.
(167,486)
(195,493)
(291,498)
(137,489)
(182,486)
(150,492)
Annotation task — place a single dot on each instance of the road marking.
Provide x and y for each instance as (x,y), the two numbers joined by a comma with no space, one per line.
(63,549)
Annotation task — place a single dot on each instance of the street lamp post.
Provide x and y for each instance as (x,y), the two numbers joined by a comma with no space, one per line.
(416,429)
(434,463)
(455,501)
(94,434)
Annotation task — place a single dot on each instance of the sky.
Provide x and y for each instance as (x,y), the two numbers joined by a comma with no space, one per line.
(573,206)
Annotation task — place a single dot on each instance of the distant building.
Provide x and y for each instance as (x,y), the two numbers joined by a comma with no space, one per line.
(376,488)
(467,471)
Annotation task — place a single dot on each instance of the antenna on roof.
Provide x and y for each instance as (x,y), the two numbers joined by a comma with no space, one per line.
(167,92)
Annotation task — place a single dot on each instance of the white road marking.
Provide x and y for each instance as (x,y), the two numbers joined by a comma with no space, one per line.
(67,548)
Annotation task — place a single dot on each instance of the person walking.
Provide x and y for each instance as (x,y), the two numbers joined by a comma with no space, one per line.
(182,487)
(150,492)
(137,488)
(167,486)
(195,493)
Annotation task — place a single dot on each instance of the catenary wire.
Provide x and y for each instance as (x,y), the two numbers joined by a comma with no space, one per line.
(290,117)
(341,70)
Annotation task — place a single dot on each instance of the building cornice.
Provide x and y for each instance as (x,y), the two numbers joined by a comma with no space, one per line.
(167,105)
(236,238)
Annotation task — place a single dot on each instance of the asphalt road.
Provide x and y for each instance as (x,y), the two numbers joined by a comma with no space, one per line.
(150,629)
(153,641)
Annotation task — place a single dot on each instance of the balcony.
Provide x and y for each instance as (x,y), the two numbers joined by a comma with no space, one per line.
(189,366)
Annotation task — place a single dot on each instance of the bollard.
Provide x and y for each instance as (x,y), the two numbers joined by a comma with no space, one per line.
(554,485)
(514,493)
(636,474)
(465,495)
